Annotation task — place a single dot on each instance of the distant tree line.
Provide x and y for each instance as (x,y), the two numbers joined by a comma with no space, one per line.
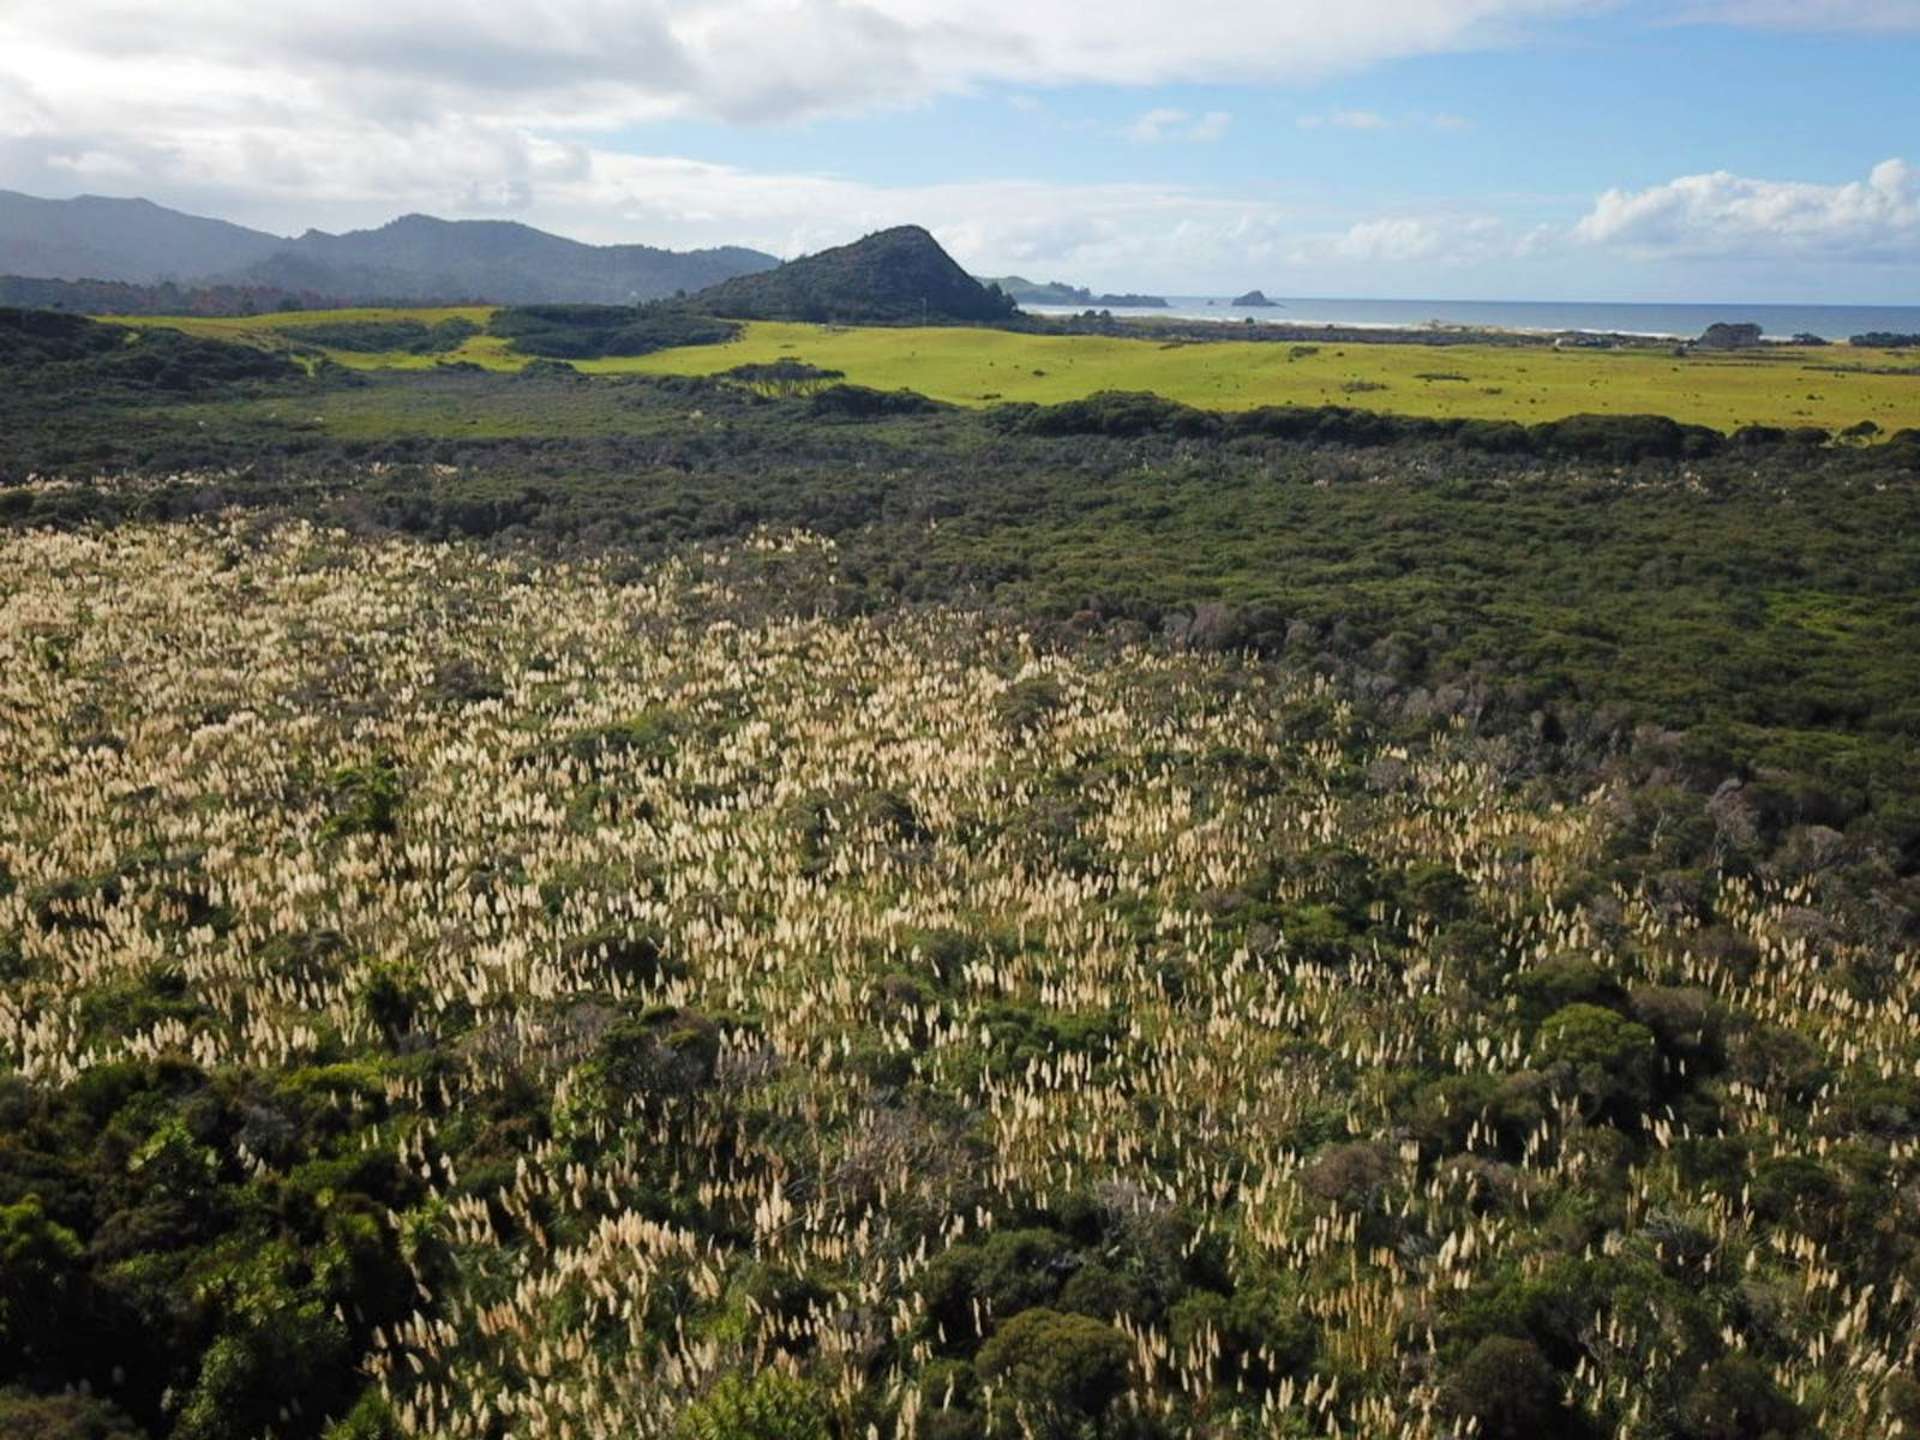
(119,297)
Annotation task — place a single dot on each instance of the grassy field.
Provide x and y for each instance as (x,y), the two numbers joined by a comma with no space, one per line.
(279,330)
(1832,388)
(1490,382)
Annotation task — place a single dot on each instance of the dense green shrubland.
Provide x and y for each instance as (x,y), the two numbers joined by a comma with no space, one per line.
(385,336)
(1614,439)
(1165,924)
(463,994)
(1504,995)
(1759,597)
(594,332)
(50,359)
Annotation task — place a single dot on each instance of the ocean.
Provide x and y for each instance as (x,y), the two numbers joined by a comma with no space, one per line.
(1829,322)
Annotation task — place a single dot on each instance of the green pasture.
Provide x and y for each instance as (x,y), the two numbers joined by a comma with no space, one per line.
(978,367)
(281,329)
(1834,387)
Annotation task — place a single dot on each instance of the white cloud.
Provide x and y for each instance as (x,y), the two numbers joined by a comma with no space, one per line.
(1404,240)
(604,63)
(1722,215)
(1539,240)
(1168,124)
(1211,126)
(1374,120)
(1346,120)
(94,164)
(1119,234)
(1154,125)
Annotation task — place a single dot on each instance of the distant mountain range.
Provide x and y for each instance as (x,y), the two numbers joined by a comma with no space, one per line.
(95,255)
(414,258)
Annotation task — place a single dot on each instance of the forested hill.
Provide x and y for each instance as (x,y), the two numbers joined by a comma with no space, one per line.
(92,237)
(897,276)
(418,257)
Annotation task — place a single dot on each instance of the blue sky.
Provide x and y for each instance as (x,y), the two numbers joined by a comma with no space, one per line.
(1583,149)
(1585,108)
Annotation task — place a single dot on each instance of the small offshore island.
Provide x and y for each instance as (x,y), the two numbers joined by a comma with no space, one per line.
(1057,292)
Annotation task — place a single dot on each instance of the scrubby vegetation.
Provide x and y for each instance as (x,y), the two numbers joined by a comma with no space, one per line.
(594,332)
(1620,439)
(783,378)
(459,995)
(49,354)
(415,337)
(1106,920)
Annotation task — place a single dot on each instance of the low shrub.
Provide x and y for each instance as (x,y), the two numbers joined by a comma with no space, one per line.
(1601,1056)
(1507,1387)
(1736,1398)
(1064,1370)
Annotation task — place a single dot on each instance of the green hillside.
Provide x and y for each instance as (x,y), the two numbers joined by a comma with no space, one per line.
(894,277)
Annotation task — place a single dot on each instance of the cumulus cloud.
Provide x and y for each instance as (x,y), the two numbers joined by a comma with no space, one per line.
(1371,120)
(1402,240)
(603,63)
(1126,233)
(1374,120)
(606,63)
(1154,125)
(1169,124)
(1346,120)
(1211,126)
(1723,215)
